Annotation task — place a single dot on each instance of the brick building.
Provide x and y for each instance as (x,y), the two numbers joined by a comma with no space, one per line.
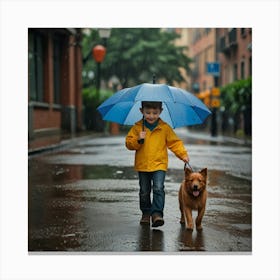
(202,49)
(231,47)
(231,50)
(54,81)
(235,54)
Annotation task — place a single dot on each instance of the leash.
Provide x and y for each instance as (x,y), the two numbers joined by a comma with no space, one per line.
(188,165)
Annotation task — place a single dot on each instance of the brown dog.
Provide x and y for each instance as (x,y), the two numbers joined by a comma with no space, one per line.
(193,196)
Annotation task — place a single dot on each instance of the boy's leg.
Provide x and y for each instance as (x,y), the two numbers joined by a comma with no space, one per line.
(145,195)
(158,197)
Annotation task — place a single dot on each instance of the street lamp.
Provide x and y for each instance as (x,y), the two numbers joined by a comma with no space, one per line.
(104,33)
(98,53)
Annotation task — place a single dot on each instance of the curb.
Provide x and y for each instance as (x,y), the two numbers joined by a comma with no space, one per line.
(59,146)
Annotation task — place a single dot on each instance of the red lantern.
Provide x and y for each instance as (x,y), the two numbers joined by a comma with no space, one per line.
(98,53)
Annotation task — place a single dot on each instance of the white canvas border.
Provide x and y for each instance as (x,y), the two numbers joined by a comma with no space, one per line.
(17,16)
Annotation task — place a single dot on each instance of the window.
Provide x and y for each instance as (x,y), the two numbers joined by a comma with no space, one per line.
(235,69)
(35,66)
(196,35)
(243,32)
(250,66)
(242,69)
(207,30)
(232,36)
(57,51)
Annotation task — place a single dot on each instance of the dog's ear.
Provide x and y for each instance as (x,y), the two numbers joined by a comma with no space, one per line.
(188,171)
(203,172)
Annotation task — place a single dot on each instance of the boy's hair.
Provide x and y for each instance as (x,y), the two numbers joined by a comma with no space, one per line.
(152,104)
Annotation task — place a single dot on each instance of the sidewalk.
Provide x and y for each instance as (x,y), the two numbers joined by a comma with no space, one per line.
(48,143)
(218,139)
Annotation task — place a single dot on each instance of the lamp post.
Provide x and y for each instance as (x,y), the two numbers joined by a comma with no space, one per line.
(98,53)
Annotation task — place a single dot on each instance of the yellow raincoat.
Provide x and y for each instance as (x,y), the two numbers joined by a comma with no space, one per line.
(153,154)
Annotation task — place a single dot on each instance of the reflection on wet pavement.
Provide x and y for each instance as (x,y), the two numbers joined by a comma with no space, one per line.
(150,239)
(94,208)
(191,241)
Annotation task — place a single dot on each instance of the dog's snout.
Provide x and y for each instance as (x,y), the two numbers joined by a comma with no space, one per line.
(195,187)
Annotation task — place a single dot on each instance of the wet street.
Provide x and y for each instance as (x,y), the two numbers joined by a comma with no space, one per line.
(85,199)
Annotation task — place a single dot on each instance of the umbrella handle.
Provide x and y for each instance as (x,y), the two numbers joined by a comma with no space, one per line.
(187,164)
(141,141)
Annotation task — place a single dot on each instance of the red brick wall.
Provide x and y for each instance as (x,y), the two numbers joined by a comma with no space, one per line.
(43,115)
(45,118)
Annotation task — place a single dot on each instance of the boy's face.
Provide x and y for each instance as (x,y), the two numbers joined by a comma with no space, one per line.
(151,115)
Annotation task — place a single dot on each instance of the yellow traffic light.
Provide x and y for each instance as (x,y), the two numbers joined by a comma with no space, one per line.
(204,94)
(216,91)
(207,101)
(215,103)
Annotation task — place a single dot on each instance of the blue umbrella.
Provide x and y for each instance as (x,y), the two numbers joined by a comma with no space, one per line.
(180,108)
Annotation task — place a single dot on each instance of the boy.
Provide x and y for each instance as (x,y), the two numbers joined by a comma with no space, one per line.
(150,138)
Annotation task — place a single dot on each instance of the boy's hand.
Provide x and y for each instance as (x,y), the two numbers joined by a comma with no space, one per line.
(186,159)
(142,135)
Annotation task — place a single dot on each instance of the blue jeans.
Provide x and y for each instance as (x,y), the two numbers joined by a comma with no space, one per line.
(148,181)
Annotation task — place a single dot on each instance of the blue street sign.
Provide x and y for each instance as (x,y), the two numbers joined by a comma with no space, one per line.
(213,68)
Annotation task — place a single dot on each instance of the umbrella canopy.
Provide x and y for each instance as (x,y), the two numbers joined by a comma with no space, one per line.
(180,108)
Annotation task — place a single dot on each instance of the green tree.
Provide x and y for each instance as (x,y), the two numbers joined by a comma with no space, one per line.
(135,54)
(236,98)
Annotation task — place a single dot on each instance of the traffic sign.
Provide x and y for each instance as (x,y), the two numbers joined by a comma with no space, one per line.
(213,68)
